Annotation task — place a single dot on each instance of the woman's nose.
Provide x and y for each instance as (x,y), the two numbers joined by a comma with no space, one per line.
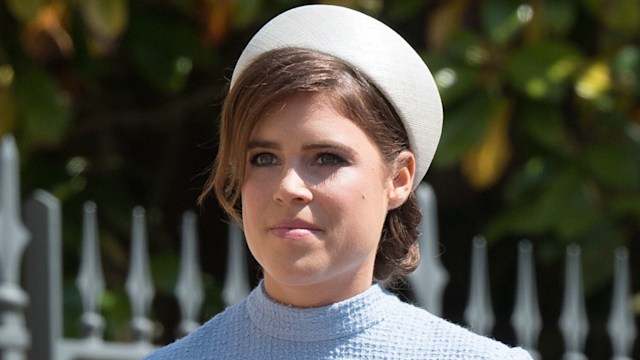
(292,188)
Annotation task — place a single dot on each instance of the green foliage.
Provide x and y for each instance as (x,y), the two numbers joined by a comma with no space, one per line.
(543,70)
(45,112)
(24,10)
(573,139)
(165,55)
(466,126)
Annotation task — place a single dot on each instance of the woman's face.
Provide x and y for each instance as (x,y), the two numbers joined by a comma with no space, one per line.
(314,199)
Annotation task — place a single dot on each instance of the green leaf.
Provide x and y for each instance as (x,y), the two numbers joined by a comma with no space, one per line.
(467,47)
(247,12)
(626,67)
(24,10)
(502,20)
(559,16)
(166,51)
(620,15)
(455,80)
(543,123)
(614,165)
(524,184)
(626,205)
(543,70)
(455,83)
(44,109)
(107,18)
(464,126)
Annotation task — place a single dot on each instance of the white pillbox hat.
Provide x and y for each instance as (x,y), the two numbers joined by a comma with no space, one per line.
(375,50)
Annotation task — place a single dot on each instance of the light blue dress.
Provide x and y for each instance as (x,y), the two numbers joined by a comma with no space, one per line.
(372,325)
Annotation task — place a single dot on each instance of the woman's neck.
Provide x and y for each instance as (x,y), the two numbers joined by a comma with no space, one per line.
(317,294)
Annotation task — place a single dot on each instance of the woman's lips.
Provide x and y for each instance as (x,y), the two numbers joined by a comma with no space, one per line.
(294,229)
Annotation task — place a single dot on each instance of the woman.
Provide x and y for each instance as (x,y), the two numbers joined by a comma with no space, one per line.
(331,121)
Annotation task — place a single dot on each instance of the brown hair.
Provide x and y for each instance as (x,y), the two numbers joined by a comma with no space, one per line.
(274,76)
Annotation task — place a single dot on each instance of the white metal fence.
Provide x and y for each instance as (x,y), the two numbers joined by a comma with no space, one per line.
(31,319)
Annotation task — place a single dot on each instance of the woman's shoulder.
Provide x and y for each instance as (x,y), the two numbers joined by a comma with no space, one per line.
(208,338)
(441,338)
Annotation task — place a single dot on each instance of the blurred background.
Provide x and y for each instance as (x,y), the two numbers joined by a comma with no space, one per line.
(117,101)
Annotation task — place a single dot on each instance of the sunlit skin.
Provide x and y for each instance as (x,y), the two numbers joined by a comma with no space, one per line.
(314,199)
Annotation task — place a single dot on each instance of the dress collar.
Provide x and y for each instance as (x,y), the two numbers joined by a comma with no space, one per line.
(333,321)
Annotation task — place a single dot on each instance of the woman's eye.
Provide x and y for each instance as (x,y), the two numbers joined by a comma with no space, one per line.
(327,159)
(263,159)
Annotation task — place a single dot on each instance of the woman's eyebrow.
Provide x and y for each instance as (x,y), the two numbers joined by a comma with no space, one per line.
(254,144)
(330,145)
(323,145)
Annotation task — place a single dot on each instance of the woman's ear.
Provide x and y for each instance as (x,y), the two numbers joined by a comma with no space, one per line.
(402,178)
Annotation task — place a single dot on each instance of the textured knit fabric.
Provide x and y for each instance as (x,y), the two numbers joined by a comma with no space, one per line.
(372,325)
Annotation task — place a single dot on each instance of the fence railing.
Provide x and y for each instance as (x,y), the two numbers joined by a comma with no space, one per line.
(31,319)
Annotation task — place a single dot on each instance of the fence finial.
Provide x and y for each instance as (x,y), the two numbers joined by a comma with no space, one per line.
(14,337)
(621,326)
(189,288)
(90,279)
(236,283)
(13,235)
(573,320)
(429,280)
(139,284)
(526,319)
(479,314)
